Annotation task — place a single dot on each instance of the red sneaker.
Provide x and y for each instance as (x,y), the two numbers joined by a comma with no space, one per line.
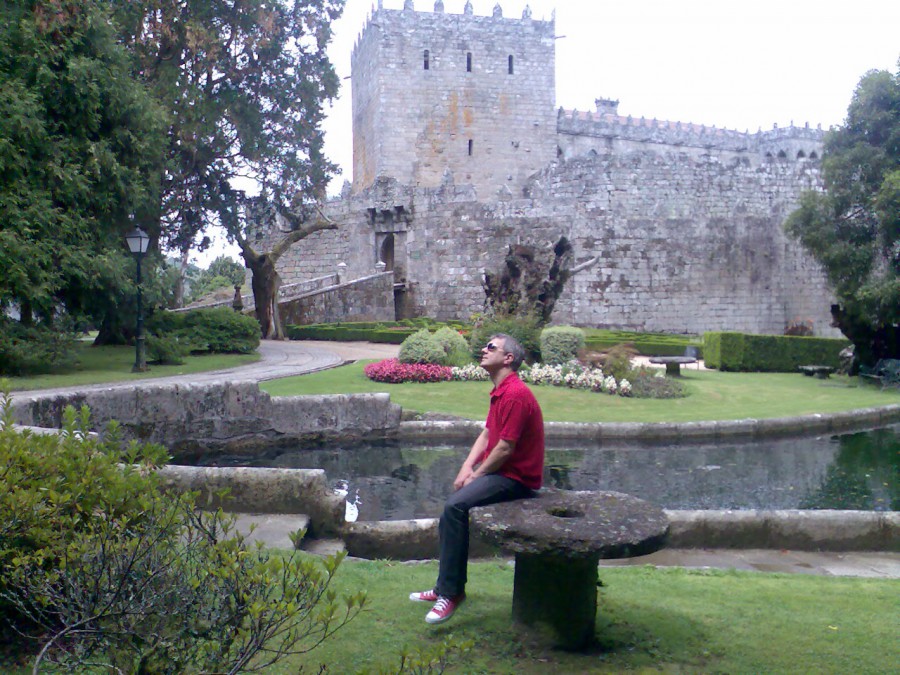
(444,608)
(424,596)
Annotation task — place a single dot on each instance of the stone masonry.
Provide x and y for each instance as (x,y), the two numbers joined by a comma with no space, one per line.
(687,221)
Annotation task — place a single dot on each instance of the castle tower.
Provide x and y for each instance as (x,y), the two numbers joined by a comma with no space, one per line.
(433,92)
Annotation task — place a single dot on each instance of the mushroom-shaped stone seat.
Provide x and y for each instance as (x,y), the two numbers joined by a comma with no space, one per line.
(558,538)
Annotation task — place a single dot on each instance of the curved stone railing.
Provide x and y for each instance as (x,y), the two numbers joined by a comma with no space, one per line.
(850,420)
(784,529)
(255,490)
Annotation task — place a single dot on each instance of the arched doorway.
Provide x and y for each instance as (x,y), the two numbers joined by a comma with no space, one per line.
(386,252)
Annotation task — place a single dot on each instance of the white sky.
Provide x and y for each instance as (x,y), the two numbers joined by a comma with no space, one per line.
(729,63)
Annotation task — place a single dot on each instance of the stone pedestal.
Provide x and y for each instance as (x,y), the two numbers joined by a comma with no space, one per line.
(558,538)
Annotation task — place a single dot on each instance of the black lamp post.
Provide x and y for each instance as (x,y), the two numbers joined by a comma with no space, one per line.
(138,240)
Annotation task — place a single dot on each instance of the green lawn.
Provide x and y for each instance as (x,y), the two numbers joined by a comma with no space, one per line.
(668,620)
(649,620)
(712,395)
(114,363)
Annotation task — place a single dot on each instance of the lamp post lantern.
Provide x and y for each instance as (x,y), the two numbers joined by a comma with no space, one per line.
(138,241)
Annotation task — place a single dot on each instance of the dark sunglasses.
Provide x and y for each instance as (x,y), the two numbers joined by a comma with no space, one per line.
(491,347)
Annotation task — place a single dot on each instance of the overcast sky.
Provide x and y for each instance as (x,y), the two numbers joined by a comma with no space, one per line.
(730,63)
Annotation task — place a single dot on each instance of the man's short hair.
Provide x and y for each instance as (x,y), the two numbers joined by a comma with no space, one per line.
(512,346)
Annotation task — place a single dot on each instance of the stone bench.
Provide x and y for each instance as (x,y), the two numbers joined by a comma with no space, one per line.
(821,372)
(672,363)
(558,539)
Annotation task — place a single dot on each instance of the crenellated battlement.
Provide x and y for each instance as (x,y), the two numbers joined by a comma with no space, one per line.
(410,14)
(606,124)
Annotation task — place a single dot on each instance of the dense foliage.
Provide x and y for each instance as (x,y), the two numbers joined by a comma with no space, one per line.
(123,113)
(853,227)
(217,330)
(79,140)
(223,272)
(98,565)
(29,350)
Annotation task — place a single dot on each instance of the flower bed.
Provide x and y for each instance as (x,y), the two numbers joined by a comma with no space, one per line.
(394,372)
(575,376)
(572,375)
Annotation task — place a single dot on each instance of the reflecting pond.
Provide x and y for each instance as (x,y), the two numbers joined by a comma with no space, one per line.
(849,471)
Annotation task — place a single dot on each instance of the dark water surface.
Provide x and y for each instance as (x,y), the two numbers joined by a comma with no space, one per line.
(851,471)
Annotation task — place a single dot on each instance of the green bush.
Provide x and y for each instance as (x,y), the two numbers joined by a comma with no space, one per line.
(31,350)
(104,567)
(455,347)
(618,361)
(167,350)
(53,488)
(421,347)
(647,383)
(560,344)
(769,353)
(525,329)
(217,330)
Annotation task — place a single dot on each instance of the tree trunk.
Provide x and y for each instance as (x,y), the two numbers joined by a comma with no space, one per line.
(178,300)
(265,282)
(870,343)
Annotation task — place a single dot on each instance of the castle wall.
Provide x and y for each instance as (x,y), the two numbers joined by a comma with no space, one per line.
(684,244)
(686,220)
(488,126)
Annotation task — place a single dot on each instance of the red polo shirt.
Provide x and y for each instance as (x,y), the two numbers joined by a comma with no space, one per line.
(515,415)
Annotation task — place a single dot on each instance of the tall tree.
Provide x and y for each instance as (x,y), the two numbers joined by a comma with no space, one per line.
(244,84)
(853,227)
(265,280)
(78,142)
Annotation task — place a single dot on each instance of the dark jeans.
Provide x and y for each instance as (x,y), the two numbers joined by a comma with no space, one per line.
(454,526)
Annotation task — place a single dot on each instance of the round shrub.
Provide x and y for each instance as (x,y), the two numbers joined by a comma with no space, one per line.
(455,347)
(525,329)
(421,347)
(560,344)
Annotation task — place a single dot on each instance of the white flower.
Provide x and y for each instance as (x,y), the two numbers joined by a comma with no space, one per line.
(609,385)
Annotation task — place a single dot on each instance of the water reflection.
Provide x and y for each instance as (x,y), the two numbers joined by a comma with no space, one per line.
(851,471)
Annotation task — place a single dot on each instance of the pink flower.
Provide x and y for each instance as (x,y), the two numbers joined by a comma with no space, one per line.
(392,371)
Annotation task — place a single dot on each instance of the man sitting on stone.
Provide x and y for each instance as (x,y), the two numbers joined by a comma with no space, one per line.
(506,462)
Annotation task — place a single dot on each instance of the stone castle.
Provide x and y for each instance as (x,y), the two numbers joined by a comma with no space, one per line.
(459,151)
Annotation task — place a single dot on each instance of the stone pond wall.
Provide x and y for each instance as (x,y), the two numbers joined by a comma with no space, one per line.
(193,419)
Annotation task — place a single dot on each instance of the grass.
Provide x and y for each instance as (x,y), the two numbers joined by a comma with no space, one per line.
(649,620)
(113,364)
(712,395)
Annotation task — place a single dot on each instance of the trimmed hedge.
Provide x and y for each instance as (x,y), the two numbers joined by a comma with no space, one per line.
(647,344)
(389,332)
(769,353)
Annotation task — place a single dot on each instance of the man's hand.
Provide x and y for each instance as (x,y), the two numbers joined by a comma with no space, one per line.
(464,477)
